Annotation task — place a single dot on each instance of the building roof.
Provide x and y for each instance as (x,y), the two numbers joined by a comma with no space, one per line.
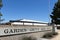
(28,21)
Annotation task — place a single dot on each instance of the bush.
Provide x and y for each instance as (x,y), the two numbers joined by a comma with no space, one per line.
(50,35)
(28,38)
(58,27)
(55,33)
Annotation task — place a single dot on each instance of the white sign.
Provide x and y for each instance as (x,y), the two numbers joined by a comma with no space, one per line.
(11,30)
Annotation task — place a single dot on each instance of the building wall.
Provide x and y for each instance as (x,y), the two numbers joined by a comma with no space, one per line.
(21,23)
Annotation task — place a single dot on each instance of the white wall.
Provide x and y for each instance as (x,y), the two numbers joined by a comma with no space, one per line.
(19,23)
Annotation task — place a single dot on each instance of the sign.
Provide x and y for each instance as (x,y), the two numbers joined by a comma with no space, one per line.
(20,30)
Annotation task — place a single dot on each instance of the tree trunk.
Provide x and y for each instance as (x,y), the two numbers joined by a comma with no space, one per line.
(53,28)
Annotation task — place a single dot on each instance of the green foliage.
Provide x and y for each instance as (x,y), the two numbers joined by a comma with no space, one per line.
(50,35)
(1,3)
(1,14)
(28,38)
(56,13)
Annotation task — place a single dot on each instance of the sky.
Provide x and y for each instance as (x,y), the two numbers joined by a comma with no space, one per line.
(27,9)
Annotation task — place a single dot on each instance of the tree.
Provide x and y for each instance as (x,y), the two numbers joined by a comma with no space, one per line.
(1,3)
(0,18)
(55,16)
(0,12)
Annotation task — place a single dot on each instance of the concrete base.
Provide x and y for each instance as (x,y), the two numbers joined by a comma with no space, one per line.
(19,37)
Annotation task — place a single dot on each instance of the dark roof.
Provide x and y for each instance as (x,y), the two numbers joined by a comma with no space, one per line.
(26,21)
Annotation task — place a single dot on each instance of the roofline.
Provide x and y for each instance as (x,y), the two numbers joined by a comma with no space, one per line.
(26,21)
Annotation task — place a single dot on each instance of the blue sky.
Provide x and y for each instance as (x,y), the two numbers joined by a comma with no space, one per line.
(27,9)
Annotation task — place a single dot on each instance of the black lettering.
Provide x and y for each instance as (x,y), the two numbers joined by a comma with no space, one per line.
(11,31)
(15,30)
(6,31)
(32,29)
(42,29)
(25,30)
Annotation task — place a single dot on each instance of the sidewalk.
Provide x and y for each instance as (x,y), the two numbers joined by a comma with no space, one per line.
(57,37)
(42,39)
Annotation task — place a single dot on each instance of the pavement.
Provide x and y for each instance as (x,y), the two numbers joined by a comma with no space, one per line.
(42,39)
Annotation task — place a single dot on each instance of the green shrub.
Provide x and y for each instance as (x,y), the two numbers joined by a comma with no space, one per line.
(58,27)
(28,38)
(55,33)
(50,35)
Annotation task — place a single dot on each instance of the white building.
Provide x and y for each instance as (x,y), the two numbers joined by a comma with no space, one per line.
(28,22)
